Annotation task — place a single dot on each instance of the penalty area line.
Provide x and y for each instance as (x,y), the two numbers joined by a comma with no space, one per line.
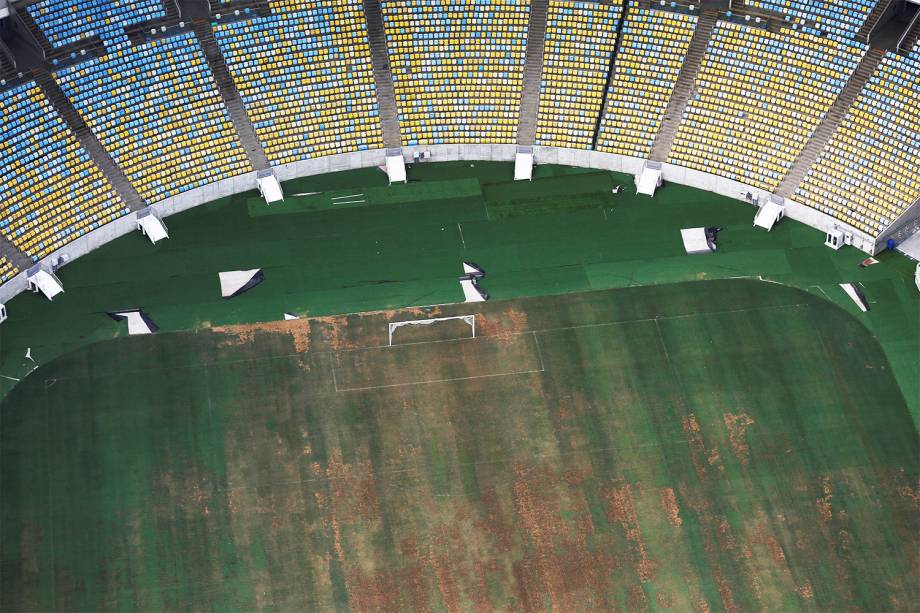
(410,383)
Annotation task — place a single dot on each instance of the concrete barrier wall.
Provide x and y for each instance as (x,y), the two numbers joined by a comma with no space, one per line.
(439,153)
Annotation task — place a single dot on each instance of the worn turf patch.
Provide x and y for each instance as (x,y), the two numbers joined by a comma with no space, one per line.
(722,445)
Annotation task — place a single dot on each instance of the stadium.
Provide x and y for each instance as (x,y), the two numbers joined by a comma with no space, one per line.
(423,305)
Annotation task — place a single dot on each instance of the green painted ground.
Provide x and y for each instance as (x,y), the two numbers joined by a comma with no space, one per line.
(389,255)
(686,446)
(131,491)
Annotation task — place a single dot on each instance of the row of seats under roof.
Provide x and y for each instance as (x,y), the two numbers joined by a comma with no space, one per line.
(836,17)
(306,79)
(157,110)
(68,21)
(458,68)
(137,101)
(868,173)
(50,190)
(579,42)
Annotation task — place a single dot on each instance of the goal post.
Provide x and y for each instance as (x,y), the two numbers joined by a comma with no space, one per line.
(393,326)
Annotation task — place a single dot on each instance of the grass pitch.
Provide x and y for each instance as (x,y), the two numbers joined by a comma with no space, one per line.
(713,445)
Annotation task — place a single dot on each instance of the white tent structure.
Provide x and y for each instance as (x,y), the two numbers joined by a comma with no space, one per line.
(235,282)
(856,296)
(769,214)
(523,164)
(269,186)
(396,166)
(473,270)
(151,226)
(44,281)
(696,240)
(138,321)
(649,179)
(471,291)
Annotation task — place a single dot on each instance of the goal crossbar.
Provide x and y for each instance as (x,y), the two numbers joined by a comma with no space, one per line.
(393,326)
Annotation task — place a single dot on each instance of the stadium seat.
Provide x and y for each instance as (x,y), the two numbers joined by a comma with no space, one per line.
(868,174)
(306,79)
(156,109)
(841,18)
(68,21)
(458,68)
(50,190)
(652,50)
(580,38)
(759,97)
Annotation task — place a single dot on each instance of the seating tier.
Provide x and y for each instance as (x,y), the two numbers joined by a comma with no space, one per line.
(68,21)
(759,97)
(653,46)
(157,111)
(458,68)
(868,174)
(836,17)
(306,78)
(579,42)
(50,190)
(7,270)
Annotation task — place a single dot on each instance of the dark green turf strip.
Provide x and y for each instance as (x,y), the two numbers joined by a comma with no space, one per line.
(409,252)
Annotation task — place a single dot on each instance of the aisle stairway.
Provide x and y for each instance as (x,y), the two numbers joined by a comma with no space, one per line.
(533,73)
(825,130)
(88,140)
(684,87)
(383,78)
(231,96)
(16,257)
(872,20)
(912,37)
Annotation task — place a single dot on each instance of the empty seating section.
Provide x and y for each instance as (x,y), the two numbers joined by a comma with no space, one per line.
(7,270)
(653,45)
(157,111)
(580,38)
(306,79)
(840,17)
(457,67)
(868,173)
(759,97)
(50,190)
(68,21)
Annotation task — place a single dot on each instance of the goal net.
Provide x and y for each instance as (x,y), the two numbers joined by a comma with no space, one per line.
(393,326)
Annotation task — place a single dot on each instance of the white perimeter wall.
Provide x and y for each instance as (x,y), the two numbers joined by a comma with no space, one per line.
(439,153)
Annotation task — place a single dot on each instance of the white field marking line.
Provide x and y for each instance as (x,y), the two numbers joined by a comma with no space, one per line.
(349,196)
(351,202)
(450,340)
(10,378)
(335,384)
(821,289)
(664,345)
(536,342)
(471,377)
(461,235)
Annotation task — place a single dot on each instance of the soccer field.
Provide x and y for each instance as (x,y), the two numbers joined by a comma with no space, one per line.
(709,445)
